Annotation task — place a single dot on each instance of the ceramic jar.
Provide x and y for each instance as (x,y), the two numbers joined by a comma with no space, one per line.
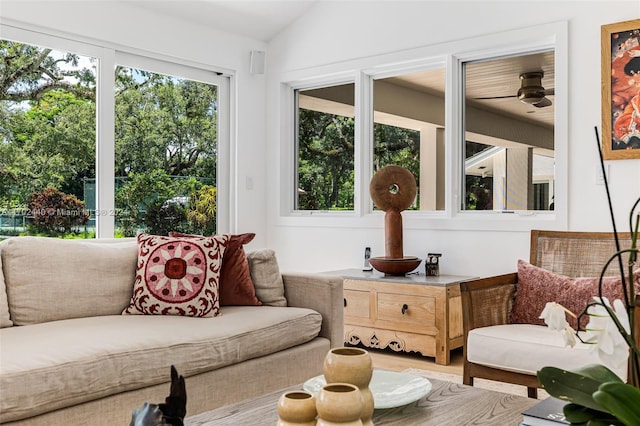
(352,365)
(297,408)
(339,404)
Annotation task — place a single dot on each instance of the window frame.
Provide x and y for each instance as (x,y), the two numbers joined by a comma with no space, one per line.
(452,54)
(289,171)
(107,58)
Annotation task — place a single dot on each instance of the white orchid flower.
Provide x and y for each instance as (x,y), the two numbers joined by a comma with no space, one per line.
(602,332)
(554,316)
(569,336)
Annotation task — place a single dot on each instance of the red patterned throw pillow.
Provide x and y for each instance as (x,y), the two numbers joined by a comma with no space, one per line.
(177,276)
(537,286)
(236,285)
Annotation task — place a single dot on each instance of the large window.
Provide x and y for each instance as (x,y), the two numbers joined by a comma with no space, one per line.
(165,153)
(325,142)
(408,123)
(509,139)
(479,124)
(47,140)
(98,142)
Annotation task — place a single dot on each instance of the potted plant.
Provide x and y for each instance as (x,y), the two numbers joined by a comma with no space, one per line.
(596,395)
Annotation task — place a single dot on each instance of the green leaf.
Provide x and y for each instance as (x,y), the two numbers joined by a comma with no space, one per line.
(622,400)
(599,373)
(570,386)
(604,422)
(578,414)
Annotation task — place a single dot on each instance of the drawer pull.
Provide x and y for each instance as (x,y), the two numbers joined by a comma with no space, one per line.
(405,307)
(345,302)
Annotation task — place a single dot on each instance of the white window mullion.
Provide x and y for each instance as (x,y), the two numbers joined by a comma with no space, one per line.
(454,136)
(105,146)
(363,143)
(226,180)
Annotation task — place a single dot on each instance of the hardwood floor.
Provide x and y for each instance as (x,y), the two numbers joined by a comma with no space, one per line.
(390,360)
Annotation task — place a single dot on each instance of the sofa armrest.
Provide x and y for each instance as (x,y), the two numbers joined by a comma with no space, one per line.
(487,301)
(322,293)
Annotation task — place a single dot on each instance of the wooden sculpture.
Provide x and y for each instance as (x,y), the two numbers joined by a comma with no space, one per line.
(393,189)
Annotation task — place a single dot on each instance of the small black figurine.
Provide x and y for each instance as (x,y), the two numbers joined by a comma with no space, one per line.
(171,412)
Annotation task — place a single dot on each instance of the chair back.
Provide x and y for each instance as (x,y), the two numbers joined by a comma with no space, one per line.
(577,254)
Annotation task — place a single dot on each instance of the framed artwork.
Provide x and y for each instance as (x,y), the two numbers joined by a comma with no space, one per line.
(621,90)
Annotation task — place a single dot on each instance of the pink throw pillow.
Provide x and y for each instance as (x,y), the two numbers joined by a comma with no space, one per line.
(177,276)
(236,286)
(537,286)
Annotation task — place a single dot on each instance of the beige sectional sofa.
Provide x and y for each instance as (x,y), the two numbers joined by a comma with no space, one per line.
(69,357)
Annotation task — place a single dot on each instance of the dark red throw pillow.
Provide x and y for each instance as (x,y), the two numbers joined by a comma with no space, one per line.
(537,286)
(236,285)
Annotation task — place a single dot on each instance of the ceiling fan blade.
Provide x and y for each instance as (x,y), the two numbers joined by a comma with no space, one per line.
(550,92)
(545,102)
(496,97)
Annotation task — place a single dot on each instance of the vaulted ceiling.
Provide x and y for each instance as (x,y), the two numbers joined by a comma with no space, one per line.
(258,19)
(264,19)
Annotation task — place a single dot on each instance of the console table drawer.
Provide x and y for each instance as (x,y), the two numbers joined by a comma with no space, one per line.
(410,313)
(357,304)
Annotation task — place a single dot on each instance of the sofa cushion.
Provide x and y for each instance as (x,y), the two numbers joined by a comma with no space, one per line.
(266,277)
(177,276)
(525,348)
(49,279)
(236,285)
(73,361)
(5,319)
(537,286)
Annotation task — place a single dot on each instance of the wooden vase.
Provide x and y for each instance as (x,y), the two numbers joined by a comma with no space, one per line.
(297,408)
(339,404)
(354,366)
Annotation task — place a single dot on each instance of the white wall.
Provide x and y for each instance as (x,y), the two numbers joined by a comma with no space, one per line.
(339,31)
(116,25)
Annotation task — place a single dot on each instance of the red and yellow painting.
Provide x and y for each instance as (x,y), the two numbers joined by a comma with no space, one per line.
(621,90)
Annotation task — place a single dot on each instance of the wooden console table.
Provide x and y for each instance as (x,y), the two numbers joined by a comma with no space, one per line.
(405,313)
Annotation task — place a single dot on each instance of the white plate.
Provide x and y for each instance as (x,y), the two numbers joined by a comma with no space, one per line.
(389,388)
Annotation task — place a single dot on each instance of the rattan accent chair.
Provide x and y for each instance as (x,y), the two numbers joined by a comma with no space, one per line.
(488,301)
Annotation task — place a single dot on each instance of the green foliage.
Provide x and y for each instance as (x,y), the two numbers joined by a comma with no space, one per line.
(326,158)
(163,217)
(28,72)
(621,400)
(325,161)
(397,146)
(165,126)
(201,210)
(55,212)
(597,395)
(52,144)
(165,123)
(140,192)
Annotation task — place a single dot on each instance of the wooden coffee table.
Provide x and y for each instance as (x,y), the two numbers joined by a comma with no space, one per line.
(447,404)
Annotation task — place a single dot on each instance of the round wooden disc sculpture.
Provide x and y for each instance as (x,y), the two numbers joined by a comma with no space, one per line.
(393,189)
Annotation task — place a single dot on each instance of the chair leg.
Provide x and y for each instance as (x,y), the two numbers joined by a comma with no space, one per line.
(467,379)
(532,392)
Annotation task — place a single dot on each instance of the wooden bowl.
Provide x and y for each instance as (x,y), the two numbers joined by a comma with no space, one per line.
(395,266)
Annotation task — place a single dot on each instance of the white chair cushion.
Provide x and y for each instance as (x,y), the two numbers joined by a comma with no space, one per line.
(526,348)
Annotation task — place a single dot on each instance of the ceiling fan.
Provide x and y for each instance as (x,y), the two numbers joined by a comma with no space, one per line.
(531,91)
